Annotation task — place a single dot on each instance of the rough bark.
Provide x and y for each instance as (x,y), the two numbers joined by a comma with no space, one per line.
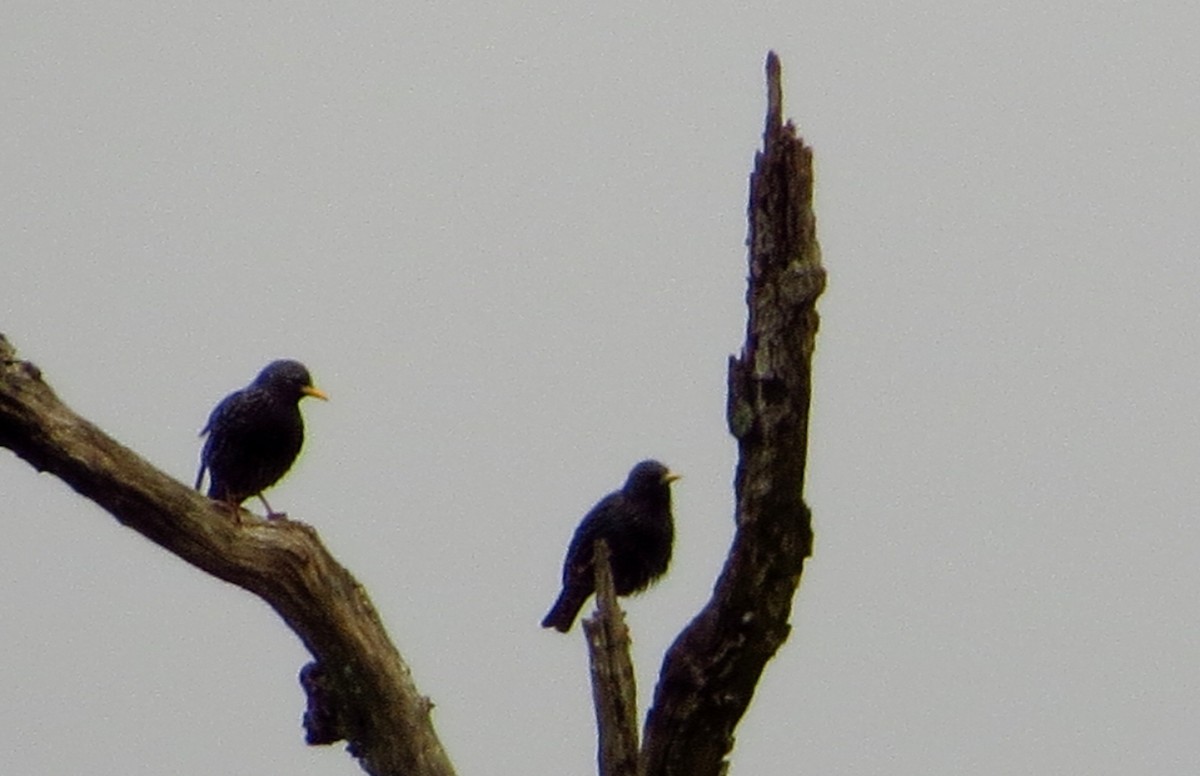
(710,672)
(614,688)
(359,687)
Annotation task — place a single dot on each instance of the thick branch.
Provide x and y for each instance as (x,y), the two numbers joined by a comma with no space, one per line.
(710,672)
(614,688)
(359,689)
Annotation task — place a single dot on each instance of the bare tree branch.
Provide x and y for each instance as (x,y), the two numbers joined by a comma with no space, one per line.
(710,672)
(614,688)
(360,689)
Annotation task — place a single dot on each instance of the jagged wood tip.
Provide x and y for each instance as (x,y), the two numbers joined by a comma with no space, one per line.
(614,688)
(710,673)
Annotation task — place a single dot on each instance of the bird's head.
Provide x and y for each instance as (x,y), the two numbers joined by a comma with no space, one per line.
(649,477)
(288,378)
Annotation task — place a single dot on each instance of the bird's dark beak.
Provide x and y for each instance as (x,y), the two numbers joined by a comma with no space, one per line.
(316,393)
(670,477)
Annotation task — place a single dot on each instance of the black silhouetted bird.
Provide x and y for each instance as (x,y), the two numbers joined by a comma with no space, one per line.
(255,434)
(636,523)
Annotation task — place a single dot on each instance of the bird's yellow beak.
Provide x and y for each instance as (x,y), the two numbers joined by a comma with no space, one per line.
(670,477)
(316,393)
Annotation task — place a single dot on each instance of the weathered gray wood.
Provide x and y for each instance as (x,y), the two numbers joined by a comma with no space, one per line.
(283,562)
(710,672)
(614,687)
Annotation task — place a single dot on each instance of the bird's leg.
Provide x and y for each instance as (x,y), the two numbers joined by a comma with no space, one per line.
(271,513)
(235,510)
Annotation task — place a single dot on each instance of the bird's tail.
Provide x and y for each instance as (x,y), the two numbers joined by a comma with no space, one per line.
(562,615)
(200,476)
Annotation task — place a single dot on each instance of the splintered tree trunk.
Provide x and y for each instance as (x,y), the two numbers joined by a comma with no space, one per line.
(710,672)
(614,688)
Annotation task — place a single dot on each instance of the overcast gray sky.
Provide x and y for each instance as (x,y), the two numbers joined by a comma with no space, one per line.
(508,241)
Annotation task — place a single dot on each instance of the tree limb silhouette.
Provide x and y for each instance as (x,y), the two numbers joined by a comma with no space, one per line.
(359,687)
(614,688)
(710,672)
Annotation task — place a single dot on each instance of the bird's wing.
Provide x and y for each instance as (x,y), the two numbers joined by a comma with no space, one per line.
(228,406)
(214,418)
(596,524)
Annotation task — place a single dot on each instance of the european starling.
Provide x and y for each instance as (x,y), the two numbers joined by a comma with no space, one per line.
(255,434)
(636,523)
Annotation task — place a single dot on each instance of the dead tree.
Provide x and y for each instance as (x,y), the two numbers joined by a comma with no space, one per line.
(709,674)
(360,689)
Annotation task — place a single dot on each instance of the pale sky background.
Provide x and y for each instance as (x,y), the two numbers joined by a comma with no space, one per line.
(508,240)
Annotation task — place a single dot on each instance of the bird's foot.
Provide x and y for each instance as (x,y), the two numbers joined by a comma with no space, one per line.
(271,513)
